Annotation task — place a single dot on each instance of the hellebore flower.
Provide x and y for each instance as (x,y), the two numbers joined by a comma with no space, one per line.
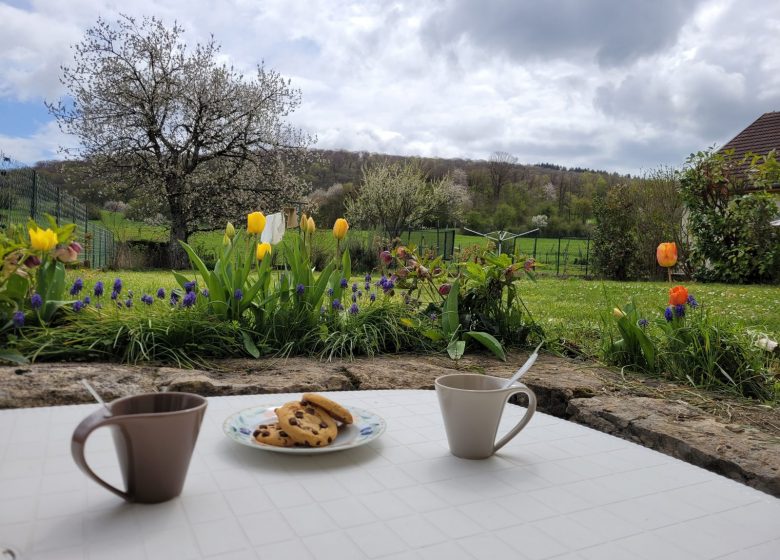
(76,247)
(66,255)
(255,222)
(189,286)
(118,285)
(299,289)
(353,309)
(262,250)
(668,313)
(36,301)
(444,289)
(189,299)
(78,305)
(401,252)
(678,295)
(42,239)
(161,293)
(310,225)
(340,229)
(385,257)
(32,261)
(666,254)
(98,290)
(238,294)
(78,285)
(18,319)
(692,302)
(147,299)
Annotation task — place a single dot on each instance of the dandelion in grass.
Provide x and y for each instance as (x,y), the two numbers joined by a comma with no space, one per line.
(161,293)
(238,294)
(36,301)
(353,309)
(692,302)
(643,323)
(114,295)
(204,292)
(300,289)
(77,286)
(336,304)
(189,299)
(78,305)
(98,289)
(18,319)
(147,299)
(679,310)
(118,285)
(344,283)
(668,314)
(87,300)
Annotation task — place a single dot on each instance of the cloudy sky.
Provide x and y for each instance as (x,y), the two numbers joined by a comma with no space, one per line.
(622,85)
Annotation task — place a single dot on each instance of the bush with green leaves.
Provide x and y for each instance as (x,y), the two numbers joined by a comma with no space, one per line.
(615,238)
(734,241)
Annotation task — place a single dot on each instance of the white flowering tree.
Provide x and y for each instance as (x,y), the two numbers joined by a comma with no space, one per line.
(395,197)
(200,140)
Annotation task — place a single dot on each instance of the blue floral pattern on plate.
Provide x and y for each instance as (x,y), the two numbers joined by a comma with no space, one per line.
(367,426)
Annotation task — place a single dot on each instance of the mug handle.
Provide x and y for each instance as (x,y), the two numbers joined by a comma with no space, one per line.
(96,420)
(523,421)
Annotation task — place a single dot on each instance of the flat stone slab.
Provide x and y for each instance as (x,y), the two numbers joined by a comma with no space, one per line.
(638,409)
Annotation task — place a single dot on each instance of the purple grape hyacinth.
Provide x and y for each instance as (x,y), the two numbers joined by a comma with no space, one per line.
(344,283)
(643,323)
(129,303)
(204,292)
(679,310)
(299,289)
(189,286)
(354,287)
(114,295)
(77,286)
(692,302)
(87,300)
(668,314)
(189,299)
(147,299)
(238,294)
(160,293)
(372,297)
(18,319)
(98,290)
(336,304)
(353,309)
(78,305)
(118,285)
(36,301)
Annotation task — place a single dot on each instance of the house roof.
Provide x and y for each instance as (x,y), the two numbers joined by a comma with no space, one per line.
(760,137)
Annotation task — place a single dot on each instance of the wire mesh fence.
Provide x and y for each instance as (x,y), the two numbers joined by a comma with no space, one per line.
(24,193)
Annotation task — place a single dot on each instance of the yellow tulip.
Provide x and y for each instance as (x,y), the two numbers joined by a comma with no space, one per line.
(310,225)
(42,239)
(255,222)
(225,240)
(303,222)
(340,228)
(262,250)
(230,231)
(617,313)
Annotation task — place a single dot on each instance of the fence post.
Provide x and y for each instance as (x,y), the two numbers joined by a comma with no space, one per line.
(59,205)
(587,255)
(536,238)
(558,259)
(34,196)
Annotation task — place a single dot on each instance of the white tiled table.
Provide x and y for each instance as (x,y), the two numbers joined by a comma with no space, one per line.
(558,490)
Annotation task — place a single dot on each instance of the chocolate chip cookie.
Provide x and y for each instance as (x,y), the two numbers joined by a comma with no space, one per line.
(306,424)
(273,434)
(333,408)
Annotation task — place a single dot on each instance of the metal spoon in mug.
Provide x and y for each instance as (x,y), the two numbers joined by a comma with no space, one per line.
(95,394)
(525,367)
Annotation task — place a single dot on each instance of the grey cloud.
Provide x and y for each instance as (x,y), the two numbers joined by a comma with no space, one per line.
(615,32)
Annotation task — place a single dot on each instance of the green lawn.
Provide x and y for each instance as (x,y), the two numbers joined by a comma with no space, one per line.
(567,308)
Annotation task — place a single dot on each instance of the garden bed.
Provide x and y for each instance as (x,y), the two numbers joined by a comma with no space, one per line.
(733,437)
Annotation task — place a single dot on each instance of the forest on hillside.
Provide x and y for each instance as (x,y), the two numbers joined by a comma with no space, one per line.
(499,192)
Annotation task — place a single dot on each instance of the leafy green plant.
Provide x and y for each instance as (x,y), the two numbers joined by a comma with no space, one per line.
(454,330)
(630,346)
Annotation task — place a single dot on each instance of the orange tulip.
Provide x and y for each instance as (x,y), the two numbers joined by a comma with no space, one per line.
(678,295)
(667,254)
(340,228)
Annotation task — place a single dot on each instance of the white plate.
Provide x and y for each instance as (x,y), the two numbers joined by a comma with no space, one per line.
(366,427)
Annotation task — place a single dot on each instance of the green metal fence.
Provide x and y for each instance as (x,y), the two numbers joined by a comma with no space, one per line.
(438,240)
(24,193)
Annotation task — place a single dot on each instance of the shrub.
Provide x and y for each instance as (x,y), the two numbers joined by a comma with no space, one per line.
(615,239)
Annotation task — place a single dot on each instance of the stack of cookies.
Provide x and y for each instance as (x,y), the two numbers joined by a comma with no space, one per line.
(311,422)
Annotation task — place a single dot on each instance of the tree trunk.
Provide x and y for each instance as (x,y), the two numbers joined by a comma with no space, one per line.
(177,257)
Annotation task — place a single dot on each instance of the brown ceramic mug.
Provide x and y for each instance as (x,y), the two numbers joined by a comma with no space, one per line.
(154,435)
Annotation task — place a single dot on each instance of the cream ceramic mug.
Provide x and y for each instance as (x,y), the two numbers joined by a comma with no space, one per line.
(471,406)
